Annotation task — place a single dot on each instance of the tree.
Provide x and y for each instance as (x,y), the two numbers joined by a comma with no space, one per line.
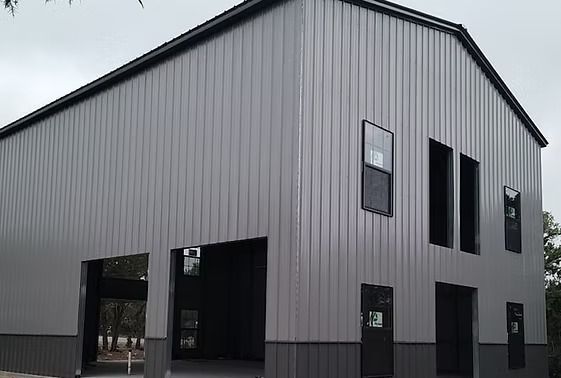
(552,271)
(138,324)
(126,267)
(123,318)
(118,315)
(11,5)
(551,235)
(104,326)
(133,323)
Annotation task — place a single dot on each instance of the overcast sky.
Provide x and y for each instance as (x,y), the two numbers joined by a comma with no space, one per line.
(49,50)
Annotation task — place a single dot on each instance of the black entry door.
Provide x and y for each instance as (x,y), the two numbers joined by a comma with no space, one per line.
(515,324)
(454,330)
(377,331)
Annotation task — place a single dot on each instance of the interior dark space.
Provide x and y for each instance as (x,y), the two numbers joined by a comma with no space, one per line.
(219,306)
(454,330)
(114,315)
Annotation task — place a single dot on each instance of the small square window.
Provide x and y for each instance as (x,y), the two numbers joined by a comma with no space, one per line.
(189,339)
(190,319)
(377,169)
(192,262)
(189,329)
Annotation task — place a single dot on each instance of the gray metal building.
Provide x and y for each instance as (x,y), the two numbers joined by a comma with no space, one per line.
(395,177)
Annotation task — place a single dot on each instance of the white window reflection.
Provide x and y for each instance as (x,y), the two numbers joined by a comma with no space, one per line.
(378,147)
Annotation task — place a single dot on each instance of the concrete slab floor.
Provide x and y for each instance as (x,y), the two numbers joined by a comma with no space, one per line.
(182,369)
(114,369)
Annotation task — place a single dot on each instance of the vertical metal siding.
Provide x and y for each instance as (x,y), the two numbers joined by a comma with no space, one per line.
(200,148)
(420,83)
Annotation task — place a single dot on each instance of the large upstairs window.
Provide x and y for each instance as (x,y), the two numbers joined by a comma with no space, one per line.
(441,195)
(377,169)
(469,205)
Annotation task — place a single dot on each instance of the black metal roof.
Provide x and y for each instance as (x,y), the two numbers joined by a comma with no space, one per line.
(249,7)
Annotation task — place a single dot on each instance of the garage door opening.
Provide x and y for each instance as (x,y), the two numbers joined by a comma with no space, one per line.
(456,330)
(219,309)
(113,310)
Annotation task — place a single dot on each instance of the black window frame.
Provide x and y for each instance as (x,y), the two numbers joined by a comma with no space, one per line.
(450,200)
(507,218)
(196,329)
(365,166)
(477,206)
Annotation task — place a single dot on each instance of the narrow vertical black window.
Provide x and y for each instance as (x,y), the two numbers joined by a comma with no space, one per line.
(441,194)
(377,169)
(469,205)
(377,331)
(513,224)
(515,329)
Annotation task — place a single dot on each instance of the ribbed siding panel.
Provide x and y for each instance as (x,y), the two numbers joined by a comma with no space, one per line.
(158,359)
(494,362)
(200,148)
(312,360)
(51,356)
(420,83)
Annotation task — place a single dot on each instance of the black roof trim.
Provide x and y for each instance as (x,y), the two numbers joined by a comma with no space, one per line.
(250,7)
(405,13)
(501,86)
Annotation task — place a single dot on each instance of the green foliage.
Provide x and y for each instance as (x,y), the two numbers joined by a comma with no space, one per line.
(552,264)
(121,318)
(127,267)
(551,234)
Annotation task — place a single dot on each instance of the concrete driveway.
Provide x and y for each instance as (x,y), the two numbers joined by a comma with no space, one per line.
(182,369)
